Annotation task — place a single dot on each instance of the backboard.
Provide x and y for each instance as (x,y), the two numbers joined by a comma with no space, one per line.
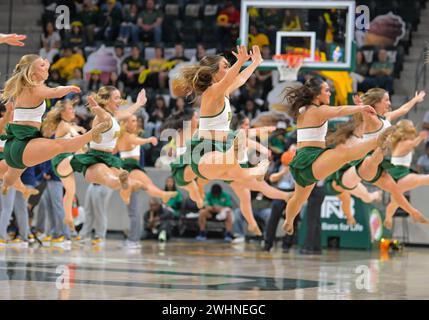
(321,30)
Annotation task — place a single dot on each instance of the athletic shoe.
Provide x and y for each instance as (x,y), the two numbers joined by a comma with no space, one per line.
(239,239)
(3,243)
(98,242)
(17,242)
(132,245)
(57,241)
(77,238)
(201,236)
(228,237)
(162,236)
(46,239)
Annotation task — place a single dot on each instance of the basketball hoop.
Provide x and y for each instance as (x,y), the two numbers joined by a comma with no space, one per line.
(288,65)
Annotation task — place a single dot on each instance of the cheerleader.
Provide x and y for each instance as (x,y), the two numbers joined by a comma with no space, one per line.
(404,141)
(25,146)
(309,106)
(128,146)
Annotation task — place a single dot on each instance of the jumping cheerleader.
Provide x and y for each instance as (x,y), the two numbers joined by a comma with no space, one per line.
(25,146)
(215,153)
(129,147)
(308,105)
(59,122)
(404,141)
(373,167)
(99,164)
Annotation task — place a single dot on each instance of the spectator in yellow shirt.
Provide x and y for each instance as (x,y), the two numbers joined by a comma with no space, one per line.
(257,38)
(68,62)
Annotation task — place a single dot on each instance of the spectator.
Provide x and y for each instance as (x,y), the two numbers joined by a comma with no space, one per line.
(227,20)
(257,38)
(291,21)
(112,21)
(78,80)
(149,23)
(91,19)
(115,82)
(54,79)
(381,71)
(68,62)
(131,69)
(157,78)
(135,230)
(77,36)
(201,52)
(423,161)
(179,105)
(179,55)
(119,55)
(48,53)
(250,109)
(129,28)
(157,220)
(261,210)
(361,81)
(157,116)
(50,37)
(218,204)
(94,81)
(272,21)
(96,200)
(280,176)
(174,204)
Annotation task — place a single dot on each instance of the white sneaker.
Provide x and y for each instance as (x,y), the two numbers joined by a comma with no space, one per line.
(162,236)
(238,240)
(132,245)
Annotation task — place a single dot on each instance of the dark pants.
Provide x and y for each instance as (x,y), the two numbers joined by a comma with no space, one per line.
(278,208)
(314,230)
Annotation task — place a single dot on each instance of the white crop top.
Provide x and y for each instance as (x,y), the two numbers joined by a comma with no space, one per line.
(313,133)
(29,114)
(219,122)
(375,134)
(134,152)
(2,143)
(109,138)
(403,161)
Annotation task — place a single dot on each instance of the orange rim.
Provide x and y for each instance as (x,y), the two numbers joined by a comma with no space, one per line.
(293,60)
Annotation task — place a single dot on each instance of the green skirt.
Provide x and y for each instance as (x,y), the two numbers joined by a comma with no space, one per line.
(57,160)
(17,137)
(383,166)
(131,164)
(301,165)
(1,155)
(338,177)
(81,162)
(399,172)
(178,172)
(199,147)
(329,189)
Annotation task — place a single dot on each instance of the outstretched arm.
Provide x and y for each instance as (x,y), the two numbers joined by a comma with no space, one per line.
(141,141)
(244,75)
(13,39)
(405,108)
(327,112)
(45,92)
(223,85)
(125,114)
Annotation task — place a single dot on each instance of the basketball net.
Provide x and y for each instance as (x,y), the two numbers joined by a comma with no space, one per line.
(288,65)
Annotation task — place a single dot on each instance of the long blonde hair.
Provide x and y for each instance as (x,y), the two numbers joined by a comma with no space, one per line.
(196,78)
(405,130)
(20,79)
(53,118)
(373,96)
(103,95)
